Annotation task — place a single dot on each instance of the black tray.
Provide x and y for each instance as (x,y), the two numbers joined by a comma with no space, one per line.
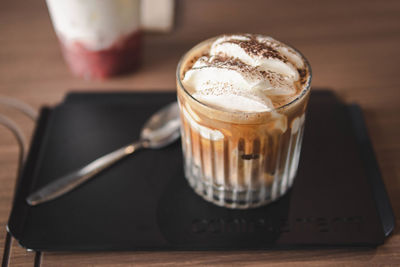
(145,203)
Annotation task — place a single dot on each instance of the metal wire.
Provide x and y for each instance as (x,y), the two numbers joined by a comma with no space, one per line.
(19,136)
(20,106)
(16,131)
(38,259)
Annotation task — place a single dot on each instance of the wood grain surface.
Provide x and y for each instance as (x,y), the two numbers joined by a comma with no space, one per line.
(353,47)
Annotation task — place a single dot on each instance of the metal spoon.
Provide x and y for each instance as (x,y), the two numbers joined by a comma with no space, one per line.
(159,131)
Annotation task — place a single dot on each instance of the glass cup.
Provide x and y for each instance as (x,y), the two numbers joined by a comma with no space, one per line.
(99,38)
(239,160)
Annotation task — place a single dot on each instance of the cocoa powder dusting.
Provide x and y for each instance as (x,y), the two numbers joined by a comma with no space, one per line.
(257,48)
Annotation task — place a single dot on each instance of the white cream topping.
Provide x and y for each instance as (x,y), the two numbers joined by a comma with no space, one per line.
(225,46)
(297,123)
(98,24)
(202,130)
(241,71)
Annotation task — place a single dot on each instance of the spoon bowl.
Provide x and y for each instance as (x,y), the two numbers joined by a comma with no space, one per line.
(161,129)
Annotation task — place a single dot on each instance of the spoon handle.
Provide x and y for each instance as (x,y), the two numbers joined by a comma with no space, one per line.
(70,181)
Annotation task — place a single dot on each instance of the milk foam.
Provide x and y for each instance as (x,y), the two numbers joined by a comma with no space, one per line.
(205,132)
(240,72)
(95,23)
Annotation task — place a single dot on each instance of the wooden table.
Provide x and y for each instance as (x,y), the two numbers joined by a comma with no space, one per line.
(353,47)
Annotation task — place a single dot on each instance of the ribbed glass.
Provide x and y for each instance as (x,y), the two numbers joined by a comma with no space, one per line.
(239,159)
(239,172)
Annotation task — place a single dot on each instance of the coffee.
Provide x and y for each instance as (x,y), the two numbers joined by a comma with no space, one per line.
(243,100)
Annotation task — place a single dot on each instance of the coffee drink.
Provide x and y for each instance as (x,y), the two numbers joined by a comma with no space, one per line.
(243,100)
(99,38)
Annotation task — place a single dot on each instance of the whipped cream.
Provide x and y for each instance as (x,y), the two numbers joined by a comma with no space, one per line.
(242,72)
(98,24)
(205,132)
(297,123)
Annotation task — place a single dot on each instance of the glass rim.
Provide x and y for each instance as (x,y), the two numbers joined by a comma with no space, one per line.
(303,93)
